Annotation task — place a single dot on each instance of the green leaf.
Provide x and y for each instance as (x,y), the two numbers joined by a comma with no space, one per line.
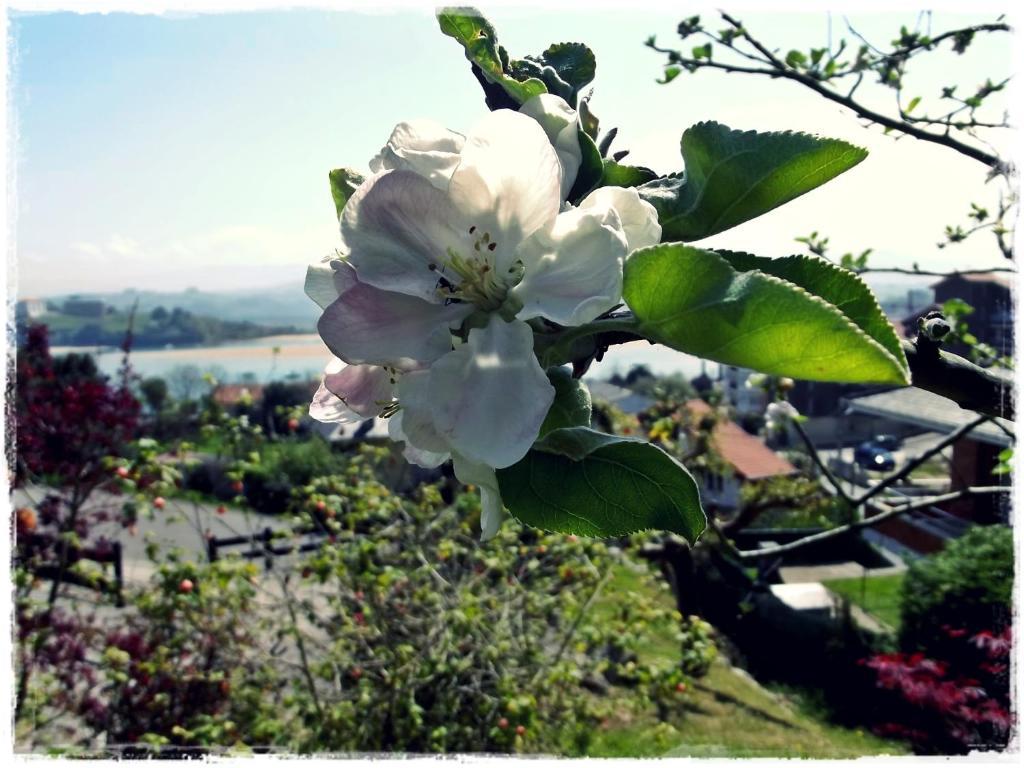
(571,407)
(734,176)
(476,35)
(344,182)
(574,63)
(616,175)
(842,289)
(796,59)
(695,301)
(591,168)
(671,73)
(588,120)
(580,481)
(912,105)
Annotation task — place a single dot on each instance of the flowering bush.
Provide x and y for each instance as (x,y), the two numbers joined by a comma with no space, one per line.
(69,421)
(942,707)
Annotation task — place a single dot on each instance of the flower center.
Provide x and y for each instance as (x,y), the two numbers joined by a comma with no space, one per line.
(476,278)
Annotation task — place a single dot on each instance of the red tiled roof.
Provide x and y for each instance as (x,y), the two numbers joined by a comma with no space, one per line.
(230,394)
(749,457)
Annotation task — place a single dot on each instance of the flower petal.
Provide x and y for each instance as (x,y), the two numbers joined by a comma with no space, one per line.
(508,183)
(366,389)
(573,269)
(559,122)
(482,476)
(639,218)
(326,280)
(489,396)
(396,226)
(412,454)
(424,147)
(416,426)
(351,393)
(368,325)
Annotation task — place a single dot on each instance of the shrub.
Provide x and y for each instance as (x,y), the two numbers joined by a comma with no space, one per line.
(439,644)
(945,707)
(967,585)
(399,632)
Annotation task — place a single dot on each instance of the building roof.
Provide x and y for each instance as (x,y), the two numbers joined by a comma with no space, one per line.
(812,596)
(626,400)
(927,410)
(1000,278)
(231,394)
(749,457)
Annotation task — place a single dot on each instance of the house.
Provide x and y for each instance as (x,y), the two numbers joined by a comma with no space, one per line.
(29,309)
(624,399)
(745,400)
(991,296)
(227,395)
(746,456)
(974,456)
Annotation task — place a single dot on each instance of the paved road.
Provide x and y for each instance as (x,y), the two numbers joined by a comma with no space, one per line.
(180,524)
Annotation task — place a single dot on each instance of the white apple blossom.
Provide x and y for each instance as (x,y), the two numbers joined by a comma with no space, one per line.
(778,415)
(448,249)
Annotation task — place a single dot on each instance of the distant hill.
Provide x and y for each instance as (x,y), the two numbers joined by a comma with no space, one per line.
(288,305)
(901,295)
(284,305)
(89,322)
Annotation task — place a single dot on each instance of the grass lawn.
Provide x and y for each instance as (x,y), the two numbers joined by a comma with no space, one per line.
(725,713)
(728,714)
(878,595)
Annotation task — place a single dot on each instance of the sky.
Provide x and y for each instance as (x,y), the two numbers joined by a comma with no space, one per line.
(166,152)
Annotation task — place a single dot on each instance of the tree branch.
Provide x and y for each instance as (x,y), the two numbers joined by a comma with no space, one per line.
(868,522)
(779,69)
(930,273)
(968,385)
(917,461)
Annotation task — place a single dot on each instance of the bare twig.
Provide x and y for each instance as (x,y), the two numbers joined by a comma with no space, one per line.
(868,522)
(917,461)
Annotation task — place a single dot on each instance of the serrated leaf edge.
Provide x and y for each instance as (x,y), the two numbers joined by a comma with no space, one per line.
(903,369)
(836,268)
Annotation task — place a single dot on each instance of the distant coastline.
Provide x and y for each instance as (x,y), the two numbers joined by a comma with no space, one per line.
(283,336)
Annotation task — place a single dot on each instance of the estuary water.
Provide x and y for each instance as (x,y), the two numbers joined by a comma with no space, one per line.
(303,356)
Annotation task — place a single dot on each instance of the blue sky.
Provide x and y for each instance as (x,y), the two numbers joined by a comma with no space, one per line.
(167,152)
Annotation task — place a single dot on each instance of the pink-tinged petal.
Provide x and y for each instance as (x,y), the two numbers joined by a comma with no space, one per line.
(412,454)
(559,122)
(398,228)
(573,269)
(368,325)
(416,426)
(351,393)
(366,389)
(424,147)
(484,478)
(490,396)
(509,181)
(638,217)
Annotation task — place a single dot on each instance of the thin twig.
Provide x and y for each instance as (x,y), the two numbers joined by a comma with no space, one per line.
(868,522)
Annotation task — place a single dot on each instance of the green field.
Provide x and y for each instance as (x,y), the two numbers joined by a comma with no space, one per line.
(878,595)
(725,713)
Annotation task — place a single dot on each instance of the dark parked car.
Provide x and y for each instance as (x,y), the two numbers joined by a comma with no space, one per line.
(889,442)
(870,455)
